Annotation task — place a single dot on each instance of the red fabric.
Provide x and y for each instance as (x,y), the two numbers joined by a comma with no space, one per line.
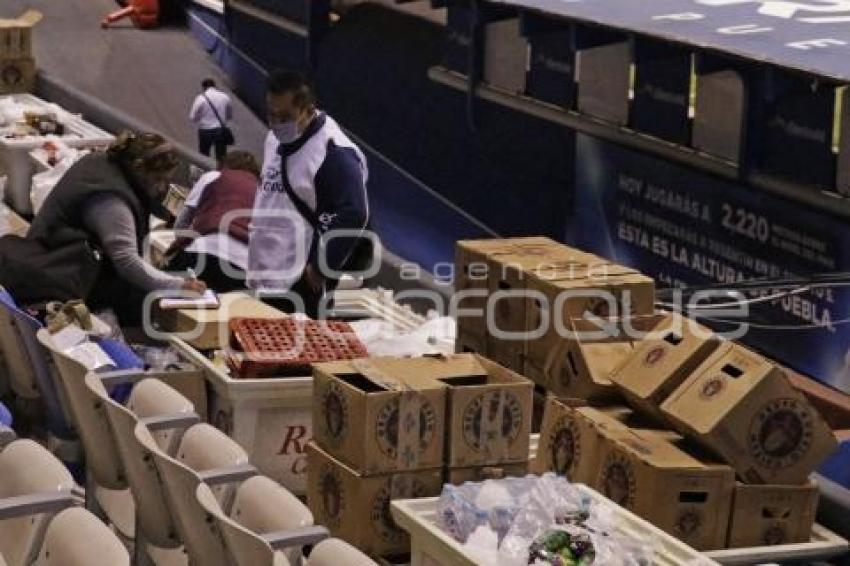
(233,190)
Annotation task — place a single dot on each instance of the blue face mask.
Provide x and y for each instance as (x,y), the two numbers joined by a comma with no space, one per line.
(286,132)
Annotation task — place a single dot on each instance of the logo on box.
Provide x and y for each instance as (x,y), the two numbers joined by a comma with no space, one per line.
(781,433)
(484,410)
(712,387)
(335,411)
(388,426)
(382,519)
(688,523)
(654,356)
(618,480)
(565,445)
(332,497)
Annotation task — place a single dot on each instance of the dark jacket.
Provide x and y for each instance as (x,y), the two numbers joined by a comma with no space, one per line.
(60,220)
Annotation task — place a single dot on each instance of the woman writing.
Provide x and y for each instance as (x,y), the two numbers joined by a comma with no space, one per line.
(107,199)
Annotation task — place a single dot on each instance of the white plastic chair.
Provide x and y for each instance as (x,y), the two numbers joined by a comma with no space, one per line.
(166,412)
(333,552)
(265,518)
(33,486)
(207,455)
(75,537)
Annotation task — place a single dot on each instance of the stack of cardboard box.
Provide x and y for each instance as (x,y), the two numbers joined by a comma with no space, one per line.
(387,428)
(715,411)
(520,298)
(17,66)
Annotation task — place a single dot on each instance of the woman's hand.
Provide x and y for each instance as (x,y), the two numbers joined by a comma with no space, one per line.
(194,285)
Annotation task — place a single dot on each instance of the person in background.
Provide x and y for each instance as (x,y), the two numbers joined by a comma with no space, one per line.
(212,111)
(107,199)
(313,182)
(220,251)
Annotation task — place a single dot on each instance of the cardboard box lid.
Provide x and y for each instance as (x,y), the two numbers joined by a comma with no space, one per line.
(386,375)
(652,449)
(237,304)
(26,20)
(502,245)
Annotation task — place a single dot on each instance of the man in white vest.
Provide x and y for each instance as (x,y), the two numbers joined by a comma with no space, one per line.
(312,203)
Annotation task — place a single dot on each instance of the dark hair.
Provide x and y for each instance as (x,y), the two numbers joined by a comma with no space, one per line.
(281,82)
(207,83)
(242,161)
(148,151)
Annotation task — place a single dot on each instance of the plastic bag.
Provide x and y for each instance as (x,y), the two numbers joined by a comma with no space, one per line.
(382,338)
(541,520)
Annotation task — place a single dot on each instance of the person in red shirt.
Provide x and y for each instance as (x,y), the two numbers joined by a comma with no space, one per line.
(215,224)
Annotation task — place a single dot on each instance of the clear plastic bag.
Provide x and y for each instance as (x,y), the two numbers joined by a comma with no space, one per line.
(537,520)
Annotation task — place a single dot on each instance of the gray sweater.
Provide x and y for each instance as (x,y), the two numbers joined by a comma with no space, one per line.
(112,221)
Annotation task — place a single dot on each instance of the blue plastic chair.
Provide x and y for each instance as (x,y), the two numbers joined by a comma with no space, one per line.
(5,416)
(27,326)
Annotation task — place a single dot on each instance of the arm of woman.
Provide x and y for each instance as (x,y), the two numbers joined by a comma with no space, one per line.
(110,219)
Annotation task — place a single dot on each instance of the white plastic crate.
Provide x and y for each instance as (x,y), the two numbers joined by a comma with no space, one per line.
(15,152)
(430,546)
(824,545)
(271,418)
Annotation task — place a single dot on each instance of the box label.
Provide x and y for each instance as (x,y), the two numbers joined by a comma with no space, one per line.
(781,433)
(492,421)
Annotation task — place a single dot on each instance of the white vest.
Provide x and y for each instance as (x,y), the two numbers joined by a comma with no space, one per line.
(280,237)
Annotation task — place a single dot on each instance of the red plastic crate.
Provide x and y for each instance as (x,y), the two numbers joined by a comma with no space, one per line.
(288,346)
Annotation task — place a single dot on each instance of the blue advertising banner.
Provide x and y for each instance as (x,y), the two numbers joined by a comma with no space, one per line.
(685,227)
(806,35)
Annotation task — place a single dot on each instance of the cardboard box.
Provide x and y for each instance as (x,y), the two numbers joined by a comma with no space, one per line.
(571,438)
(381,415)
(742,407)
(356,508)
(579,363)
(766,515)
(16,35)
(513,298)
(484,266)
(457,476)
(17,75)
(673,490)
(207,329)
(489,411)
(661,362)
(568,294)
(472,275)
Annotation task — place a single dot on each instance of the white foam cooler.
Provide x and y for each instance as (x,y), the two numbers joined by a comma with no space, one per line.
(270,418)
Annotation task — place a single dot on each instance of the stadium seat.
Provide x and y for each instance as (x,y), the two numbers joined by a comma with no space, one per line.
(334,551)
(166,412)
(76,537)
(264,519)
(34,485)
(33,362)
(205,454)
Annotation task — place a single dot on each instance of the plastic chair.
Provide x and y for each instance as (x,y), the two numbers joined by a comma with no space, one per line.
(166,412)
(32,353)
(207,455)
(75,537)
(333,551)
(264,519)
(34,485)
(20,371)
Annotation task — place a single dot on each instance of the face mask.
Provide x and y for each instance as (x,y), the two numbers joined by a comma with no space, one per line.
(285,132)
